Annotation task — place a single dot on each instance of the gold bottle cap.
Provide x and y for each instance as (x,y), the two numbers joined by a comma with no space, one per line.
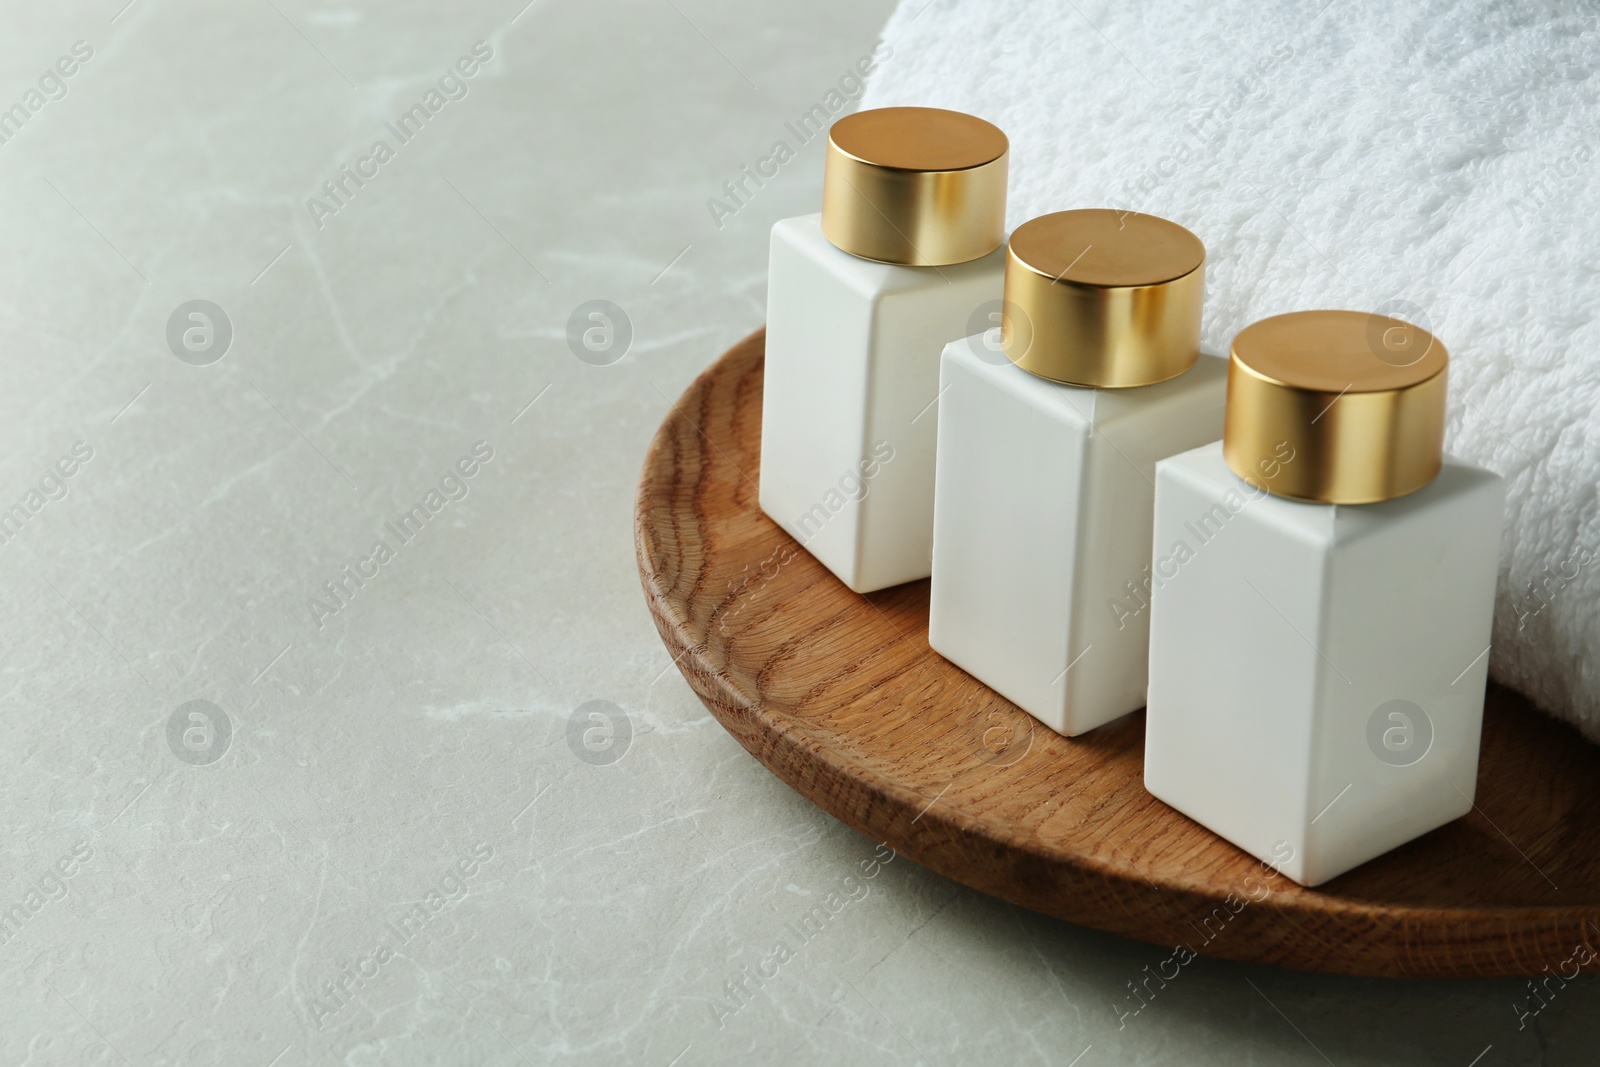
(1338,407)
(1103,298)
(918,186)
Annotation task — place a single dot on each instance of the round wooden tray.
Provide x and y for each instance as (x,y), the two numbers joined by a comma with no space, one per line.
(841,697)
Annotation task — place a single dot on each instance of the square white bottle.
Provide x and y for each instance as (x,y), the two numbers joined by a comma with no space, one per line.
(1321,598)
(861,299)
(1047,450)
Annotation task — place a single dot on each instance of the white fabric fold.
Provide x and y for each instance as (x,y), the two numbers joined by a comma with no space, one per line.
(1435,162)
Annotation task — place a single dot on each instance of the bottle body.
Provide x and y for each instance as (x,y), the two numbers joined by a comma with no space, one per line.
(1318,670)
(1042,527)
(849,417)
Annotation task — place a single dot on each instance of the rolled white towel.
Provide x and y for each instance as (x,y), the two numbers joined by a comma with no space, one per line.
(1437,162)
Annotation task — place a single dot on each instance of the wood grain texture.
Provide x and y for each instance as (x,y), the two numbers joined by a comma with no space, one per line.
(841,697)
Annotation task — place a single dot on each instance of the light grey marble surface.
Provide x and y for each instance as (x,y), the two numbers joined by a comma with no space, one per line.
(248,896)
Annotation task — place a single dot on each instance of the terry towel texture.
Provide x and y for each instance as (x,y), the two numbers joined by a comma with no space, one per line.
(1438,163)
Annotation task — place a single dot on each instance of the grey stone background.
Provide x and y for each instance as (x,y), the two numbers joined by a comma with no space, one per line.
(383,837)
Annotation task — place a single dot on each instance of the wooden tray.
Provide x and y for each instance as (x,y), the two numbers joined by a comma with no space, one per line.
(840,696)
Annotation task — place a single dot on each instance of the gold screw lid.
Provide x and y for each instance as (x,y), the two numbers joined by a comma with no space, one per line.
(1103,298)
(918,186)
(1338,407)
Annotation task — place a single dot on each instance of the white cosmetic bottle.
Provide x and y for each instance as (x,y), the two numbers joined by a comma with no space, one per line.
(1323,588)
(1047,454)
(860,300)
